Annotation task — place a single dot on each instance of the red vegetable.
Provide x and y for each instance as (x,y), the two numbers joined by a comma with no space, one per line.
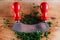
(16,8)
(44,9)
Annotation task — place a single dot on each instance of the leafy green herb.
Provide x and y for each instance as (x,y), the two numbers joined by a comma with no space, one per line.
(6,21)
(49,32)
(29,36)
(28,19)
(46,35)
(35,13)
(49,24)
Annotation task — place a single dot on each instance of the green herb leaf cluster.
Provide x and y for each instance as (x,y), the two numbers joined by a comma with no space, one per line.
(32,35)
(29,36)
(6,21)
(50,23)
(28,19)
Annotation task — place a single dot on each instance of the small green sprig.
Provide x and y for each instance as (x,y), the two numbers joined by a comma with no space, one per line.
(6,21)
(46,34)
(50,23)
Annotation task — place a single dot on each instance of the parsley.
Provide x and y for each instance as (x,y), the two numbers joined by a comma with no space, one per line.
(28,19)
(29,36)
(6,21)
(49,24)
(46,35)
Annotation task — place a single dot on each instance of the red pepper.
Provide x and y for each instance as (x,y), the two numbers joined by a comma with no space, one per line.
(44,9)
(16,8)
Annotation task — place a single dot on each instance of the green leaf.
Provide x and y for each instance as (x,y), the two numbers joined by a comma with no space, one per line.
(6,21)
(46,35)
(50,23)
(35,13)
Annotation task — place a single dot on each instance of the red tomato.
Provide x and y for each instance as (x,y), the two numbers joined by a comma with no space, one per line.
(16,8)
(44,9)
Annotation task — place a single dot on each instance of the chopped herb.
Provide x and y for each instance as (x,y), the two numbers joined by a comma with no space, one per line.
(6,21)
(49,24)
(46,35)
(28,19)
(29,36)
(49,32)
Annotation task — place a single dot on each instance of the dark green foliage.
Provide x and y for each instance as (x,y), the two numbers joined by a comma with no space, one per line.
(46,35)
(49,24)
(29,36)
(6,21)
(32,35)
(28,19)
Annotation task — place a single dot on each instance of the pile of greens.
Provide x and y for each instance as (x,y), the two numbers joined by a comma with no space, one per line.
(32,35)
(28,19)
(29,36)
